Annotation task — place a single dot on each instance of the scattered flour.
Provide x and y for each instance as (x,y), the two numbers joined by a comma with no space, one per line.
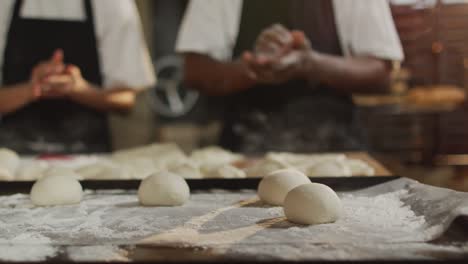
(97,254)
(26,253)
(235,223)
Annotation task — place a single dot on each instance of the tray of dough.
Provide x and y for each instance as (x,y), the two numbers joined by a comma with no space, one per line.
(206,163)
(397,221)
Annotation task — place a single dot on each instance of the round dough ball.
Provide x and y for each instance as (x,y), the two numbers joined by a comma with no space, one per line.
(360,168)
(139,168)
(31,170)
(163,189)
(311,204)
(330,168)
(187,170)
(265,167)
(56,189)
(214,155)
(63,171)
(102,170)
(274,187)
(9,162)
(223,172)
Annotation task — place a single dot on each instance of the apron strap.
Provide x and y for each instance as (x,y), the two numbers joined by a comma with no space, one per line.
(254,19)
(89,12)
(17,9)
(90,23)
(317,19)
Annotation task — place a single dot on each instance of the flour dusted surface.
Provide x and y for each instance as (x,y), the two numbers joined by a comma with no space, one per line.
(234,222)
(116,217)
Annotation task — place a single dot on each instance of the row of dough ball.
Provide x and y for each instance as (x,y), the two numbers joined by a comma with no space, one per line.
(303,202)
(211,162)
(9,164)
(139,168)
(215,162)
(63,188)
(318,165)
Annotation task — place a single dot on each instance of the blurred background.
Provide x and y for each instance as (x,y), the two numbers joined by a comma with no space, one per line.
(419,131)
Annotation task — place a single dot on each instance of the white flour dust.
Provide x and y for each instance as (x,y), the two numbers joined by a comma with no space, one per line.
(29,253)
(232,221)
(97,253)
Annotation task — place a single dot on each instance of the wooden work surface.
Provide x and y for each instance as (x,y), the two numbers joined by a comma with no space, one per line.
(380,170)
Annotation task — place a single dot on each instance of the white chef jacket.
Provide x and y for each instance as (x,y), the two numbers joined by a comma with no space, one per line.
(365,28)
(123,55)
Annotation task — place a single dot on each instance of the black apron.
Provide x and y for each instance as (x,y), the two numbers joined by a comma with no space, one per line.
(52,126)
(296,116)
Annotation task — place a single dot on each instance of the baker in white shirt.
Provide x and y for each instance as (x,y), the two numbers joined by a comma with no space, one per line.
(63,66)
(285,70)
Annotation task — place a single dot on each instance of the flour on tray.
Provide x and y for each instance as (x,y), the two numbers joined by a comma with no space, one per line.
(26,253)
(103,253)
(116,217)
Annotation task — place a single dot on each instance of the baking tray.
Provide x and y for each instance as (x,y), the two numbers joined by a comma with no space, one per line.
(457,233)
(336,183)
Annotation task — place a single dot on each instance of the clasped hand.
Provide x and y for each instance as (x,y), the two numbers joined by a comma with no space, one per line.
(279,55)
(54,79)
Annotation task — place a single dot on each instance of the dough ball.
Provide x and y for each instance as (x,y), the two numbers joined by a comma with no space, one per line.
(330,168)
(187,170)
(56,189)
(162,156)
(311,204)
(91,171)
(102,170)
(163,189)
(265,167)
(223,172)
(274,187)
(9,163)
(139,168)
(62,171)
(360,168)
(164,161)
(32,170)
(215,155)
(301,160)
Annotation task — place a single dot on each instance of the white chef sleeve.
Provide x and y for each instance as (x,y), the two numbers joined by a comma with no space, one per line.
(124,56)
(366,28)
(210,27)
(6,7)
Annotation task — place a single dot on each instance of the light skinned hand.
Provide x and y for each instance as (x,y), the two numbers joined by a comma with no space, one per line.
(64,84)
(44,69)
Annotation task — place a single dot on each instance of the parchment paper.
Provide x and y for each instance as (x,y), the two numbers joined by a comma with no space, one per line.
(395,220)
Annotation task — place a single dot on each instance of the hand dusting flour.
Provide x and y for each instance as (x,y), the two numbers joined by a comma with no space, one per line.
(234,222)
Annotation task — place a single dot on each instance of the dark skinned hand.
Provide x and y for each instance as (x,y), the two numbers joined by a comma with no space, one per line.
(279,55)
